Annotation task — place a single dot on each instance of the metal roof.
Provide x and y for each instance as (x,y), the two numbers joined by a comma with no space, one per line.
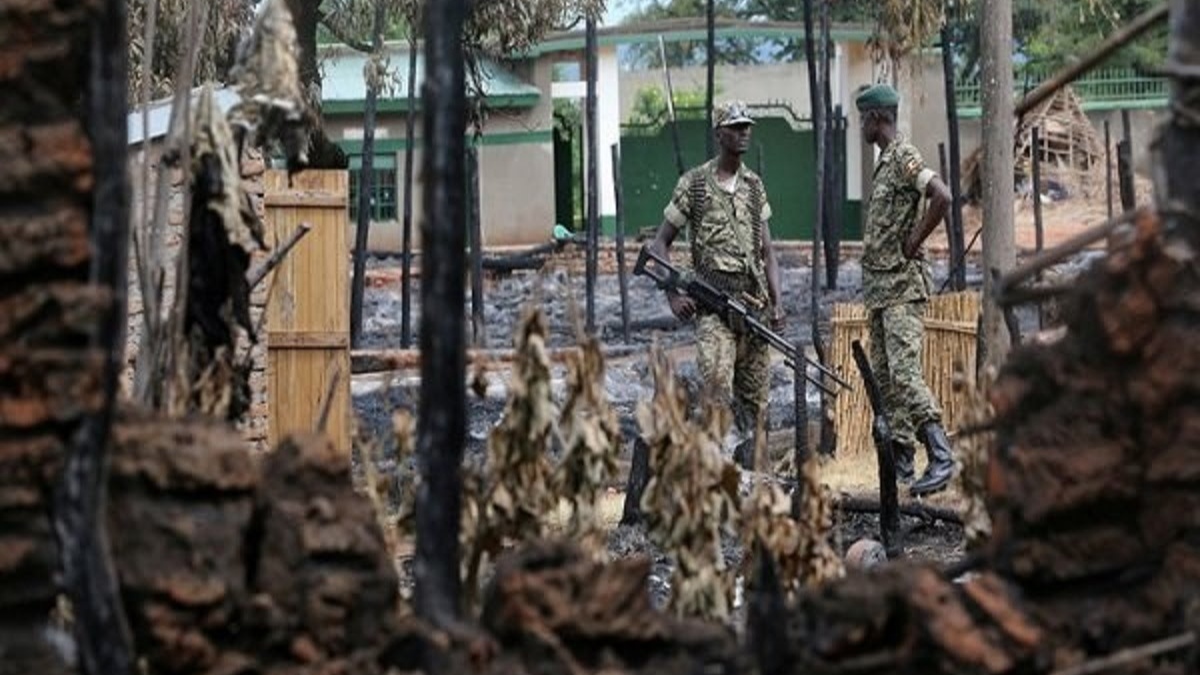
(160,114)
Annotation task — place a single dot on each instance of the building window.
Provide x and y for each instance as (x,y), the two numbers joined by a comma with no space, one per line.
(383,187)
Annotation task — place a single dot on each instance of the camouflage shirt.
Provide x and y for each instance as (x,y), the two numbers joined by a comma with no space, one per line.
(889,278)
(723,238)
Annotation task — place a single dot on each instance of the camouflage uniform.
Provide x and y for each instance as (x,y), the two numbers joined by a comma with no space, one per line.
(726,244)
(896,289)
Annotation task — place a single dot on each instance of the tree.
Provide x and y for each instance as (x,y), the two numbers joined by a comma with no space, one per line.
(497,28)
(689,52)
(1047,35)
(999,248)
(158,33)
(64,210)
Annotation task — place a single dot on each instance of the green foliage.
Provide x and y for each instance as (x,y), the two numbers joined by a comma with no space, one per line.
(691,52)
(1049,35)
(1066,30)
(650,105)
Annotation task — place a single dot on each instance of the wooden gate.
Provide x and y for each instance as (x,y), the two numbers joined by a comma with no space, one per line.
(950,329)
(308,312)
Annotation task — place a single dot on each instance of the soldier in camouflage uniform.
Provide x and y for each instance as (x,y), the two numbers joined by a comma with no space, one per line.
(896,287)
(725,206)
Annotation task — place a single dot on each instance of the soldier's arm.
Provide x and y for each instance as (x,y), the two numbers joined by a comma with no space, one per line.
(929,184)
(663,238)
(675,216)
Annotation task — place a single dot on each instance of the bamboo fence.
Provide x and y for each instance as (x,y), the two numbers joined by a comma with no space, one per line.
(950,333)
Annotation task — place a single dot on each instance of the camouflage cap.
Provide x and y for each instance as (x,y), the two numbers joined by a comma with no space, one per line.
(729,113)
(877,96)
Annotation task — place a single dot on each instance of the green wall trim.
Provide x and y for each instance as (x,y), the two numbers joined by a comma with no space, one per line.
(349,107)
(386,145)
(975,112)
(608,226)
(575,42)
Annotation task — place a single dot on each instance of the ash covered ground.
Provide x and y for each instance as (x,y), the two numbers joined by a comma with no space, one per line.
(628,377)
(562,296)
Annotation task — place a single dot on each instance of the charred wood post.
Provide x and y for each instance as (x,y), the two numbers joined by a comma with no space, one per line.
(817,72)
(101,635)
(441,412)
(1125,175)
(1180,142)
(1125,165)
(889,500)
(475,232)
(837,189)
(955,225)
(710,60)
(1035,150)
(622,279)
(635,486)
(366,178)
(410,123)
(1108,172)
(593,173)
(830,181)
(800,448)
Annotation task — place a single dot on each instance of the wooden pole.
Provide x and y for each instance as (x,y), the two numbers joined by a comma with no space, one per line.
(366,182)
(441,410)
(593,175)
(1069,74)
(1125,164)
(475,231)
(710,58)
(622,279)
(999,249)
(837,174)
(1180,144)
(827,442)
(1108,172)
(662,55)
(955,232)
(830,182)
(1035,150)
(410,124)
(103,645)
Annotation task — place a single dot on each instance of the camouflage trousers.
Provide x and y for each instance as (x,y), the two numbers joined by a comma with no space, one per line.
(735,368)
(897,338)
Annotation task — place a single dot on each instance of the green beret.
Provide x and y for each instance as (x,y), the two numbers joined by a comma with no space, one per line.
(877,96)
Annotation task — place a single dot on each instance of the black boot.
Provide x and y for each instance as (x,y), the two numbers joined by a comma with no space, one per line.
(903,454)
(941,463)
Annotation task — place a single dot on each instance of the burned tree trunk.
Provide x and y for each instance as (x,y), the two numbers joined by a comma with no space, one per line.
(322,152)
(63,213)
(441,412)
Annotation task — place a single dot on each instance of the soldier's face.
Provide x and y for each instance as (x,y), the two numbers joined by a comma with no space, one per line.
(869,125)
(735,138)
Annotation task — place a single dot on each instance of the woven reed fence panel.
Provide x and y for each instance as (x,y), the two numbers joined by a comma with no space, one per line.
(950,329)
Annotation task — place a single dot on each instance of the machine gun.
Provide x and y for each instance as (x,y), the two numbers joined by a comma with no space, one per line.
(730,309)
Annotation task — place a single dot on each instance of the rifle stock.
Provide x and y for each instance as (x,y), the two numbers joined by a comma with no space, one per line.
(667,277)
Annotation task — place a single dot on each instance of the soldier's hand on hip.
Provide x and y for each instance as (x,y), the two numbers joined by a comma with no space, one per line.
(682,306)
(911,249)
(777,318)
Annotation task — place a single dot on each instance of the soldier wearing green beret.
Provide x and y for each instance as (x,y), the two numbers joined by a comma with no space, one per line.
(725,206)
(896,287)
